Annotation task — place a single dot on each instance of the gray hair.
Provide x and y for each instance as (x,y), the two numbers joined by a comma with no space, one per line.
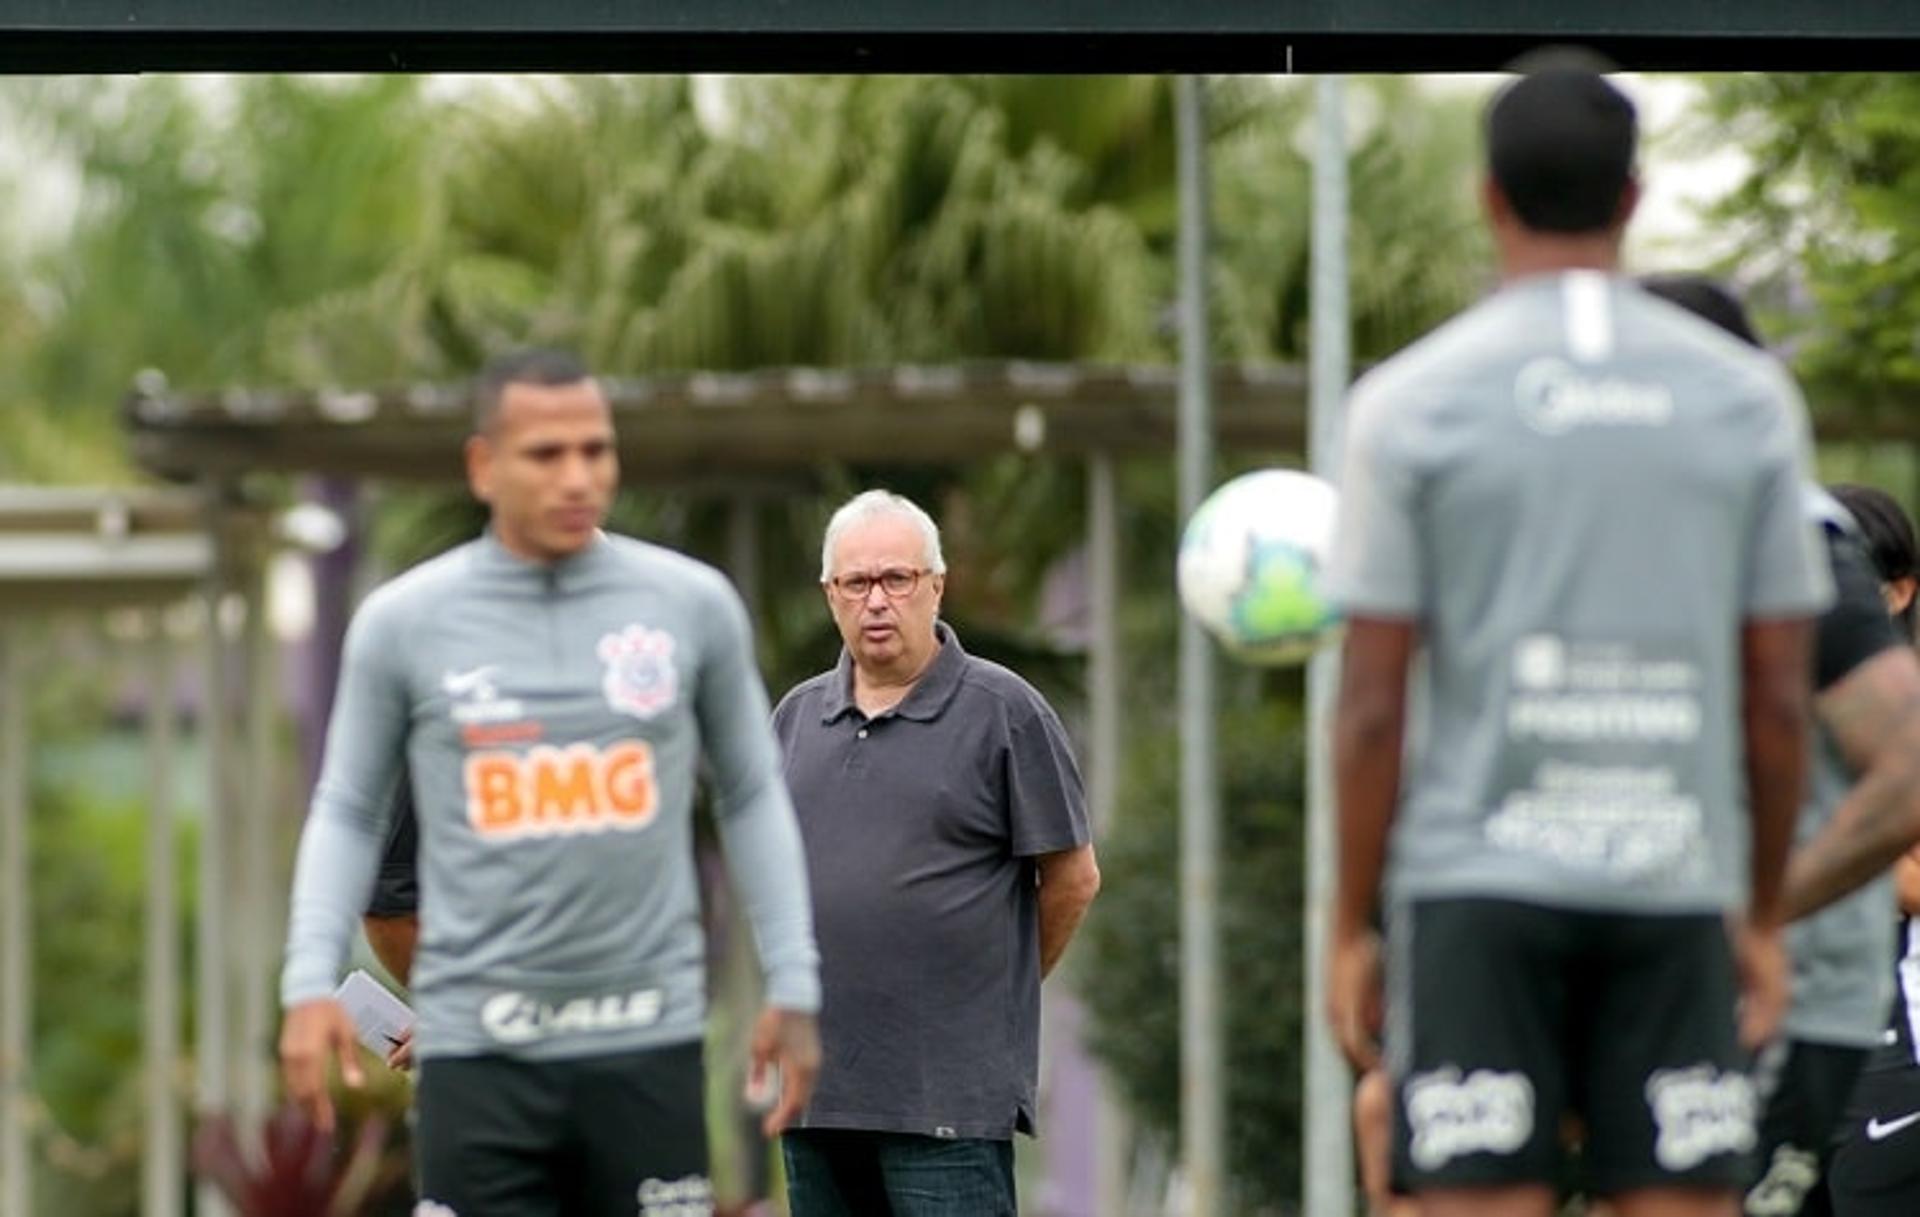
(873,505)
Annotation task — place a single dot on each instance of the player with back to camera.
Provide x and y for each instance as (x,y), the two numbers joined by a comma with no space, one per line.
(1578,513)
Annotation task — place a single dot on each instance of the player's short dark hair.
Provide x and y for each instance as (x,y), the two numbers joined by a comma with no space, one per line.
(541,366)
(1560,143)
(1889,534)
(1707,299)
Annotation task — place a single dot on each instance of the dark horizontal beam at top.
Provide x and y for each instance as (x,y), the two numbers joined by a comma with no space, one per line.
(943,35)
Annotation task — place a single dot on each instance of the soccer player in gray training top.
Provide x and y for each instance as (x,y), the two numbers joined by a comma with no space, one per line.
(1581,511)
(552,689)
(1862,812)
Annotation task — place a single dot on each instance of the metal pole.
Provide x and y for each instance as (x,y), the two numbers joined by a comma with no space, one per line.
(212,1039)
(743,551)
(16,960)
(257,818)
(160,980)
(1328,1100)
(1202,1096)
(1111,1134)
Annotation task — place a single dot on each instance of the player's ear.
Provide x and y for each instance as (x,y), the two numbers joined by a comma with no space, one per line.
(479,455)
(1493,201)
(1629,199)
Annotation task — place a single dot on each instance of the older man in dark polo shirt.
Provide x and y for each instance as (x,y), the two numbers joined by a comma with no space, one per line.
(947,843)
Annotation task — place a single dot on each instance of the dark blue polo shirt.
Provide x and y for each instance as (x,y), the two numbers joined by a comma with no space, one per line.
(921,827)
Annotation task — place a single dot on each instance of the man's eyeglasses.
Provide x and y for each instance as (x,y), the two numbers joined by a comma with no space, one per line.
(896,582)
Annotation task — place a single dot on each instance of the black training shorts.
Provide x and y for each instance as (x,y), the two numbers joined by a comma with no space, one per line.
(621,1135)
(1503,1017)
(1876,1170)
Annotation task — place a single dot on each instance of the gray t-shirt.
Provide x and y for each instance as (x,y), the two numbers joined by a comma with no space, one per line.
(921,828)
(1579,492)
(1841,987)
(553,718)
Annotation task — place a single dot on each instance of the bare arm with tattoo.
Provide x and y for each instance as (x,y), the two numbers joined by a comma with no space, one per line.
(1874,715)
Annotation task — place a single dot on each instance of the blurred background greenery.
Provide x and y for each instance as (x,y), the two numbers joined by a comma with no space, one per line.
(353,232)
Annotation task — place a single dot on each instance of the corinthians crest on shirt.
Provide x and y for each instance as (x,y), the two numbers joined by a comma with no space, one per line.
(640,678)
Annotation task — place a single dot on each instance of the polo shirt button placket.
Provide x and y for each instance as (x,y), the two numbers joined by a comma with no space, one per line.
(860,734)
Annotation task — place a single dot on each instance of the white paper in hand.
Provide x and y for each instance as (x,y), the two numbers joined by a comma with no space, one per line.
(380,1019)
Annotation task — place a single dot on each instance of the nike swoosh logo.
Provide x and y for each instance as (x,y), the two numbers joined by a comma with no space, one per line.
(460,684)
(1876,1131)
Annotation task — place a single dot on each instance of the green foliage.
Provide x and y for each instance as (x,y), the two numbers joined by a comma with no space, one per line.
(1129,968)
(1826,223)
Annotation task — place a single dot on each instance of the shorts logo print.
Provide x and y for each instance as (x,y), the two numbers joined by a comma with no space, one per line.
(1790,1178)
(640,678)
(690,1196)
(1486,1112)
(1876,1131)
(1700,1112)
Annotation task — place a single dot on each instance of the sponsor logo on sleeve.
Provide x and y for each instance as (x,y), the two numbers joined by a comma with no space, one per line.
(1484,1112)
(640,678)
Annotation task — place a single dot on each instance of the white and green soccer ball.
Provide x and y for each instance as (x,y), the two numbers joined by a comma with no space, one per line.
(1251,563)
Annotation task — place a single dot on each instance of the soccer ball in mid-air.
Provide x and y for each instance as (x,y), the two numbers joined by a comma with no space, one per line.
(1251,561)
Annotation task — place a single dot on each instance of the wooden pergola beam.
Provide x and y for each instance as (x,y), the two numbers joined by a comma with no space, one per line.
(715,430)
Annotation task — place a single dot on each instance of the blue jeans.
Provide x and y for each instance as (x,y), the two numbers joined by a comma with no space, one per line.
(837,1173)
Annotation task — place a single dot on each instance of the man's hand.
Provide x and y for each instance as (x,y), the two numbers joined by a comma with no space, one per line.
(314,1034)
(1766,983)
(400,1055)
(790,1042)
(1354,1004)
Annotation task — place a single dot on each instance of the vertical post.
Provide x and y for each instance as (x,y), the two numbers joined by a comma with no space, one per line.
(213,1029)
(743,550)
(160,977)
(16,937)
(257,820)
(1328,1100)
(1202,1097)
(1111,1134)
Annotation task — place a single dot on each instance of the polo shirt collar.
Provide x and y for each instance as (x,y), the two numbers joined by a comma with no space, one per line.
(929,695)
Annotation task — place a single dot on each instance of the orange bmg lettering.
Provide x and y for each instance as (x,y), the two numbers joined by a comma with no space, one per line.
(548,791)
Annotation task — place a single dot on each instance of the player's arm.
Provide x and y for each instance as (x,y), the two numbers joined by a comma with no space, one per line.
(1047,818)
(1868,699)
(394,940)
(1775,657)
(761,840)
(1369,737)
(392,918)
(1069,880)
(339,849)
(1786,584)
(1377,573)
(1906,881)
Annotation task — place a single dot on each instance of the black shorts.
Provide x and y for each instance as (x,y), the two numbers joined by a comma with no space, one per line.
(1804,1088)
(1504,1017)
(1876,1170)
(604,1136)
